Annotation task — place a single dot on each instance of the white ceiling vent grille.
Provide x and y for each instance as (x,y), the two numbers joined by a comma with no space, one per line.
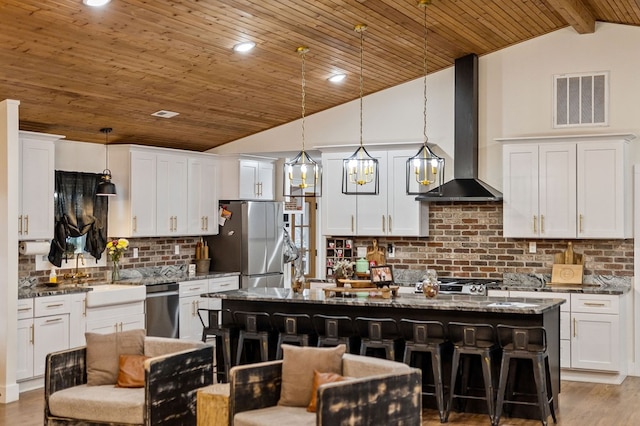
(581,100)
(165,114)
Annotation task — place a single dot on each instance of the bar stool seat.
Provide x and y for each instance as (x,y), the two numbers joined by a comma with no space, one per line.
(525,343)
(472,340)
(224,331)
(379,333)
(427,337)
(292,328)
(253,326)
(333,330)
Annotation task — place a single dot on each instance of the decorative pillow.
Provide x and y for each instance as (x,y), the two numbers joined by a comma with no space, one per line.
(320,379)
(103,354)
(298,364)
(131,372)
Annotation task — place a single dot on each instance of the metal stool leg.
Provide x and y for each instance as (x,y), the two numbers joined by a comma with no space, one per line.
(502,387)
(454,376)
(488,386)
(240,348)
(436,367)
(541,389)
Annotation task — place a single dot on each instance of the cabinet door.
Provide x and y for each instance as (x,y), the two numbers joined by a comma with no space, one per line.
(77,320)
(371,210)
(595,341)
(248,180)
(338,209)
(405,215)
(131,322)
(190,326)
(202,197)
(557,184)
(171,195)
(143,194)
(50,334)
(601,207)
(520,191)
(266,180)
(24,361)
(36,190)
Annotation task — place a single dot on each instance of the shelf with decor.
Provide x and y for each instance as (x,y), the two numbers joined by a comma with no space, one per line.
(338,249)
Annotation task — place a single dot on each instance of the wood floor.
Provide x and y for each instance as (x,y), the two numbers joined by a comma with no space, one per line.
(581,404)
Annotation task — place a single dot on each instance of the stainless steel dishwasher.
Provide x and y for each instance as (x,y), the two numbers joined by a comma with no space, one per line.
(163,310)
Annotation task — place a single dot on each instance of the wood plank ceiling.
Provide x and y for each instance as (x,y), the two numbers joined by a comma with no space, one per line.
(76,69)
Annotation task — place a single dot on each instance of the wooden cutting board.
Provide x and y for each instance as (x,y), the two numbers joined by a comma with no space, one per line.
(566,274)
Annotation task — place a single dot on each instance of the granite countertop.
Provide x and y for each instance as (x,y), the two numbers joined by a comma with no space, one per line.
(63,288)
(597,284)
(403,301)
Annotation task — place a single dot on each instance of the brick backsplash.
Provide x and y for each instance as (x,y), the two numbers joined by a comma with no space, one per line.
(465,240)
(151,252)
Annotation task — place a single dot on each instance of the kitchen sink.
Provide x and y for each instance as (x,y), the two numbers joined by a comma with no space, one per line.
(114,294)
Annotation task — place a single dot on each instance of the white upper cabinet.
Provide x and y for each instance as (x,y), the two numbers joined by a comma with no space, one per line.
(171,194)
(37,186)
(247,179)
(567,187)
(154,193)
(391,212)
(203,196)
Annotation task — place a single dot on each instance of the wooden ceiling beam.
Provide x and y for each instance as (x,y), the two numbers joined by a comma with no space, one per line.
(576,14)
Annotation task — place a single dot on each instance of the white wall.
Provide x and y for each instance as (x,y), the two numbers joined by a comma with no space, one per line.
(515,100)
(75,156)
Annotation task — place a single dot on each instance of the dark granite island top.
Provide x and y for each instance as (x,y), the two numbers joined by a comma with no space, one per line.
(444,308)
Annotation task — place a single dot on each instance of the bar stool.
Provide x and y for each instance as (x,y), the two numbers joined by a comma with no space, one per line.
(217,327)
(333,330)
(427,337)
(379,333)
(472,340)
(292,328)
(253,326)
(525,343)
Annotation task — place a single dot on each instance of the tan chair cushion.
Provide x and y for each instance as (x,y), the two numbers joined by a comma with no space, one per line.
(131,371)
(358,366)
(105,403)
(318,380)
(277,415)
(103,354)
(298,364)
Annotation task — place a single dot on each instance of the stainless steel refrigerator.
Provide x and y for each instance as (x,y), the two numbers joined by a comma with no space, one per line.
(251,242)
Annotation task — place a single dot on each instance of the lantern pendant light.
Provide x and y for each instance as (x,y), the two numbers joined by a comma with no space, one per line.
(106,188)
(425,168)
(302,175)
(360,170)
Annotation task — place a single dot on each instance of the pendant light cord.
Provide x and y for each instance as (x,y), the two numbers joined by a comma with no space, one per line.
(361,28)
(423,4)
(303,50)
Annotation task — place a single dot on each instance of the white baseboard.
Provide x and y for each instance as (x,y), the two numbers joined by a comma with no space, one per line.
(592,376)
(9,393)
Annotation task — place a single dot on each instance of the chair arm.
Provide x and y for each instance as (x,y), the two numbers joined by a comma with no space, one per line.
(387,399)
(64,369)
(254,386)
(171,384)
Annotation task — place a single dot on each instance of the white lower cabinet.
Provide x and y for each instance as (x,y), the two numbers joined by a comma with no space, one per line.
(591,335)
(190,302)
(42,330)
(115,318)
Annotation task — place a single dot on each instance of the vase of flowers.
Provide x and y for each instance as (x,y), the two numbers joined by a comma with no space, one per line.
(116,248)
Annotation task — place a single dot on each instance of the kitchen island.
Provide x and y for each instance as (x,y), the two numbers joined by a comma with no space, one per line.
(445,308)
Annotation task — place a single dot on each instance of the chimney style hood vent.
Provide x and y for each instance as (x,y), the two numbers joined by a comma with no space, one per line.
(465,185)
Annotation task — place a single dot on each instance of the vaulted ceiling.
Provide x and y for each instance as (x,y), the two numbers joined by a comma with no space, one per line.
(77,69)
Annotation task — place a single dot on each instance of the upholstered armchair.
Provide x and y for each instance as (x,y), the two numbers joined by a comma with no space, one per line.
(173,372)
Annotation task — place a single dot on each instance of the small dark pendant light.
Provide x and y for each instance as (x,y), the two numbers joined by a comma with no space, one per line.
(106,188)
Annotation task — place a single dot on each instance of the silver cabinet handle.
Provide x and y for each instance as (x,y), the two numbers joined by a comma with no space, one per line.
(352,230)
(55,305)
(389,222)
(580,219)
(26,225)
(53,320)
(32,329)
(594,304)
(135,224)
(542,224)
(84,307)
(535,224)
(206,221)
(383,223)
(23,309)
(20,225)
(575,327)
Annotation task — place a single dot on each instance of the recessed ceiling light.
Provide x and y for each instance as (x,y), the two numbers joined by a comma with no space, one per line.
(95,3)
(165,114)
(244,46)
(337,78)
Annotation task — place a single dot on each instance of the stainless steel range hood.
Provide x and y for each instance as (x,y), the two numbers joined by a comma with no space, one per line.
(465,185)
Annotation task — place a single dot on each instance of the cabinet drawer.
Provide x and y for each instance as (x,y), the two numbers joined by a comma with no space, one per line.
(25,308)
(223,284)
(565,307)
(595,303)
(52,305)
(193,288)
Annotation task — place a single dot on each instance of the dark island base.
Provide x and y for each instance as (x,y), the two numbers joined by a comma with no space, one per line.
(524,379)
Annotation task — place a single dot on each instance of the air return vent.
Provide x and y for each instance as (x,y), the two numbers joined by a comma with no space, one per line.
(581,100)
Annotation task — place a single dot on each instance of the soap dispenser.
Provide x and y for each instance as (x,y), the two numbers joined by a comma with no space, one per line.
(53,277)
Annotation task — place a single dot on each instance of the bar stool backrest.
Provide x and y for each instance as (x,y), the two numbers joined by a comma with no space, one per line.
(292,324)
(530,339)
(333,326)
(472,335)
(422,332)
(377,328)
(253,322)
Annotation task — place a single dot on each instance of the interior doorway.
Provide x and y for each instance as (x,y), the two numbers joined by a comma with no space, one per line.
(303,224)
